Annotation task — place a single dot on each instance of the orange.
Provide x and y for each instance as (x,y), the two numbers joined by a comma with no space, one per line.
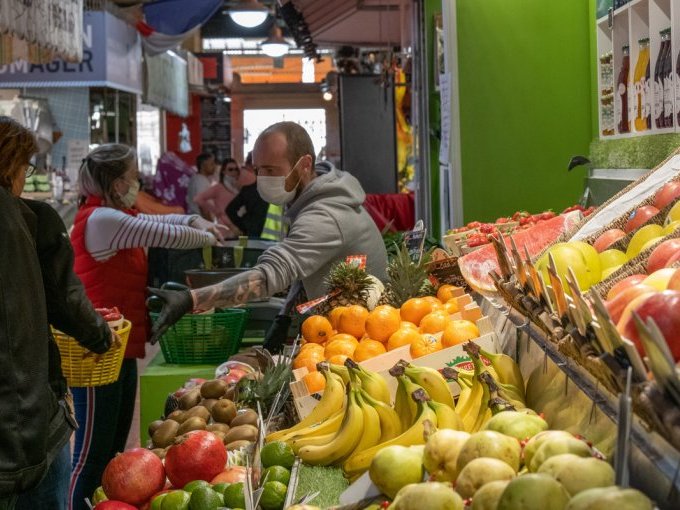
(433,300)
(353,321)
(459,331)
(367,349)
(382,322)
(403,336)
(308,359)
(425,344)
(336,347)
(407,324)
(414,309)
(317,329)
(338,359)
(451,306)
(335,314)
(446,292)
(309,346)
(434,322)
(315,382)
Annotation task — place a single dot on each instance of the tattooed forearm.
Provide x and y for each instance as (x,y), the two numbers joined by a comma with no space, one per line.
(233,291)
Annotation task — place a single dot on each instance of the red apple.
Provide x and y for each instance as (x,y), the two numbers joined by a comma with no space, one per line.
(664,308)
(662,253)
(616,306)
(606,239)
(667,194)
(639,217)
(629,281)
(674,258)
(674,282)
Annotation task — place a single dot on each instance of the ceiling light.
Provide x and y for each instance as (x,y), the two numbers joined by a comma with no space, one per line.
(275,45)
(327,96)
(248,13)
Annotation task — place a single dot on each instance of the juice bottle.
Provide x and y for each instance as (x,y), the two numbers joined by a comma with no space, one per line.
(641,81)
(659,119)
(621,95)
(668,91)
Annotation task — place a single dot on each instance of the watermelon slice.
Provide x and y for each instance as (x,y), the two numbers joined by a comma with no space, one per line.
(477,266)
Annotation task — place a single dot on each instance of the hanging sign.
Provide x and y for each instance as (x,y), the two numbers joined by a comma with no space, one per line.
(166,84)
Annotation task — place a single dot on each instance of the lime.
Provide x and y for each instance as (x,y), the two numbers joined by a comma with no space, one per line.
(277,453)
(157,502)
(204,498)
(233,496)
(176,500)
(273,496)
(220,487)
(192,486)
(99,496)
(276,474)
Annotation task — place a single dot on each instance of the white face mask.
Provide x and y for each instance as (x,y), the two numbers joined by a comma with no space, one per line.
(129,198)
(272,188)
(229,181)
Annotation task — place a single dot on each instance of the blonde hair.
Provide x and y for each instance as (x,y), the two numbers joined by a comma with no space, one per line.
(17,147)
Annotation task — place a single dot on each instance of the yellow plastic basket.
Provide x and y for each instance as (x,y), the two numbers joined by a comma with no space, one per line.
(83,368)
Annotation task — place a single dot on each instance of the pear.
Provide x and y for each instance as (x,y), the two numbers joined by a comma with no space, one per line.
(394,467)
(537,441)
(517,424)
(557,446)
(488,495)
(533,492)
(479,472)
(429,495)
(577,474)
(441,454)
(488,443)
(609,498)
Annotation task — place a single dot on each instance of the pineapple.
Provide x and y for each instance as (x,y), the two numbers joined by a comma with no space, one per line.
(406,279)
(352,282)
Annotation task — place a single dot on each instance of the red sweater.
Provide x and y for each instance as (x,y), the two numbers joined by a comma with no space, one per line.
(119,281)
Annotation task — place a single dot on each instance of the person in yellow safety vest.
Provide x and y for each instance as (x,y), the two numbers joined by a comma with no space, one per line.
(273,229)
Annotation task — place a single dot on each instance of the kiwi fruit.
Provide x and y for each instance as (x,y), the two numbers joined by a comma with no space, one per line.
(153,426)
(243,432)
(223,411)
(213,389)
(190,399)
(220,434)
(160,452)
(199,411)
(165,434)
(208,403)
(235,445)
(248,417)
(230,392)
(177,416)
(192,423)
(218,427)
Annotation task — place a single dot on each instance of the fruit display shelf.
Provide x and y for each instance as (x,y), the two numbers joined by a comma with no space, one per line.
(654,464)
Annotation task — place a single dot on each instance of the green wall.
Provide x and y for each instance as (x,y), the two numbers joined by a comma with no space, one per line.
(433,7)
(525,102)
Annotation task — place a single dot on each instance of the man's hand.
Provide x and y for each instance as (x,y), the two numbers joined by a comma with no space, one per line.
(176,303)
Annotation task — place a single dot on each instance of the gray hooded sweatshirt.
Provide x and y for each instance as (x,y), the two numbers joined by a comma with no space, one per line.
(327,223)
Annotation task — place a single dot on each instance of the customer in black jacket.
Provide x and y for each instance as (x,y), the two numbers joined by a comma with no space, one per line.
(248,211)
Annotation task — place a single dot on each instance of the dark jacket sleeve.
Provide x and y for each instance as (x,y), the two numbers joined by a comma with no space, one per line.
(68,308)
(232,211)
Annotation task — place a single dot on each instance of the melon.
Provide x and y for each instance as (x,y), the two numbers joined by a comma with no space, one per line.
(477,266)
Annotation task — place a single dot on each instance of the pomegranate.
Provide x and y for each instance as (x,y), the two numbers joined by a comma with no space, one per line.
(231,474)
(197,455)
(114,505)
(133,476)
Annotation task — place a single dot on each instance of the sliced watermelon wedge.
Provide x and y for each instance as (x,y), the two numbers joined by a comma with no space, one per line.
(477,266)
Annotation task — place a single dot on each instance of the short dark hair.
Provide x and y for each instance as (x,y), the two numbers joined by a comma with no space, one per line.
(249,159)
(17,147)
(202,158)
(298,140)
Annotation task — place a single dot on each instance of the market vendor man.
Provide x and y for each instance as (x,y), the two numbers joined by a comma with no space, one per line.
(327,223)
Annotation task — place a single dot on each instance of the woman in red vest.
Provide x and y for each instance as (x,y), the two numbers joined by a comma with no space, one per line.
(109,240)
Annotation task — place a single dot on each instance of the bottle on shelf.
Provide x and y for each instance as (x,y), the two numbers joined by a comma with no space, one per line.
(642,102)
(659,119)
(621,96)
(668,89)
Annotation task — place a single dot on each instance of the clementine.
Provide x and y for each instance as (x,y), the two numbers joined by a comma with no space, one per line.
(368,349)
(451,306)
(335,347)
(425,344)
(434,322)
(459,331)
(317,329)
(338,359)
(403,336)
(446,292)
(308,359)
(382,322)
(334,316)
(315,382)
(309,346)
(407,324)
(353,321)
(414,309)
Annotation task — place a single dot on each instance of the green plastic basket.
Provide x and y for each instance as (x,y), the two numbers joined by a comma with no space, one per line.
(204,338)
